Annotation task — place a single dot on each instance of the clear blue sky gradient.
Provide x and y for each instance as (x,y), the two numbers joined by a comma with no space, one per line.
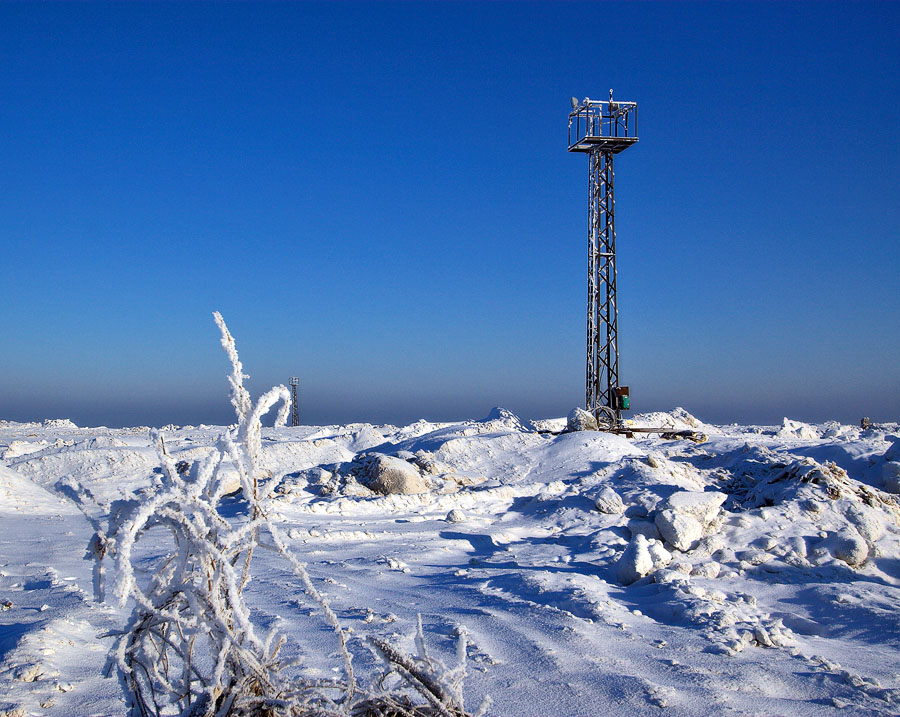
(378,198)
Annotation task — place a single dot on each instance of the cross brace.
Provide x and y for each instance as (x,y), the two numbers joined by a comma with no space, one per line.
(602,376)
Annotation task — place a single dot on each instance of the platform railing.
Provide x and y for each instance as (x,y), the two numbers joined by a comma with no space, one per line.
(602,119)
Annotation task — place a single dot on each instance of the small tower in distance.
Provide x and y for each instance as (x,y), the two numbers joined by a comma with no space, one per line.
(295,403)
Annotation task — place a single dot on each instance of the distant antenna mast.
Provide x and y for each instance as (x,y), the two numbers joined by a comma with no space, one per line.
(602,129)
(295,404)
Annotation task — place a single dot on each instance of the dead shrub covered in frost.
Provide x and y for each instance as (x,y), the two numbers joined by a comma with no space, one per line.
(190,646)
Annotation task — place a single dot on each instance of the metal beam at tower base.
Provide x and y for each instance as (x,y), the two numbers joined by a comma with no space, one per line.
(602,129)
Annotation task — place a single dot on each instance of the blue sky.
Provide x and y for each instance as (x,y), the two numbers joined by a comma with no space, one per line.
(378,198)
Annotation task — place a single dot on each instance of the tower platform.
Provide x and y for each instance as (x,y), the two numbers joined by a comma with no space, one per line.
(602,125)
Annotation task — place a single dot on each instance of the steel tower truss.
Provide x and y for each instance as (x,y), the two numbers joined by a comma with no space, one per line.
(295,403)
(602,374)
(602,129)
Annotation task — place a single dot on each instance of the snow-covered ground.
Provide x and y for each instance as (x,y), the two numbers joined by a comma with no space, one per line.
(775,589)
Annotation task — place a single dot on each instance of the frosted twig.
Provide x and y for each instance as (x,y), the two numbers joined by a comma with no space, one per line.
(190,647)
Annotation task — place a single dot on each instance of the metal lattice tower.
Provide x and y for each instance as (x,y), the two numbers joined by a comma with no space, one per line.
(602,129)
(295,404)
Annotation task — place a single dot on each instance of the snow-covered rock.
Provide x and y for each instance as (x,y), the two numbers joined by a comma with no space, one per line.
(660,556)
(890,476)
(231,479)
(866,521)
(388,475)
(636,561)
(609,502)
(581,420)
(893,453)
(703,506)
(850,547)
(455,516)
(709,569)
(680,530)
(647,528)
(797,429)
(641,557)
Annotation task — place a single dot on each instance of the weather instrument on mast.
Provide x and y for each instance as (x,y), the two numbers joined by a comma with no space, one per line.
(602,129)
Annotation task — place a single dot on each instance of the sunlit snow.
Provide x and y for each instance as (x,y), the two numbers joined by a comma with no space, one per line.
(754,573)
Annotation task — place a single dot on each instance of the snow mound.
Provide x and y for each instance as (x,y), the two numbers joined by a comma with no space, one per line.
(677,419)
(549,425)
(21,496)
(21,448)
(890,476)
(455,516)
(781,548)
(502,419)
(893,453)
(58,423)
(797,429)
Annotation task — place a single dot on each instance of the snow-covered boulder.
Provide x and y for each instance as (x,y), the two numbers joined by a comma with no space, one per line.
(232,480)
(850,547)
(227,474)
(680,530)
(581,420)
(797,429)
(893,453)
(660,556)
(387,474)
(709,569)
(702,505)
(641,557)
(647,528)
(866,520)
(609,502)
(890,476)
(636,561)
(455,516)
(683,516)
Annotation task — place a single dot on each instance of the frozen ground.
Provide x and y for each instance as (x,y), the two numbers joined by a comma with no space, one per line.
(784,597)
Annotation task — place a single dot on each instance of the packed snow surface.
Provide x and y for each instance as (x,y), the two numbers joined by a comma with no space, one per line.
(757,572)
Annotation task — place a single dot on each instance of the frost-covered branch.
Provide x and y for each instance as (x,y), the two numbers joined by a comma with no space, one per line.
(190,647)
